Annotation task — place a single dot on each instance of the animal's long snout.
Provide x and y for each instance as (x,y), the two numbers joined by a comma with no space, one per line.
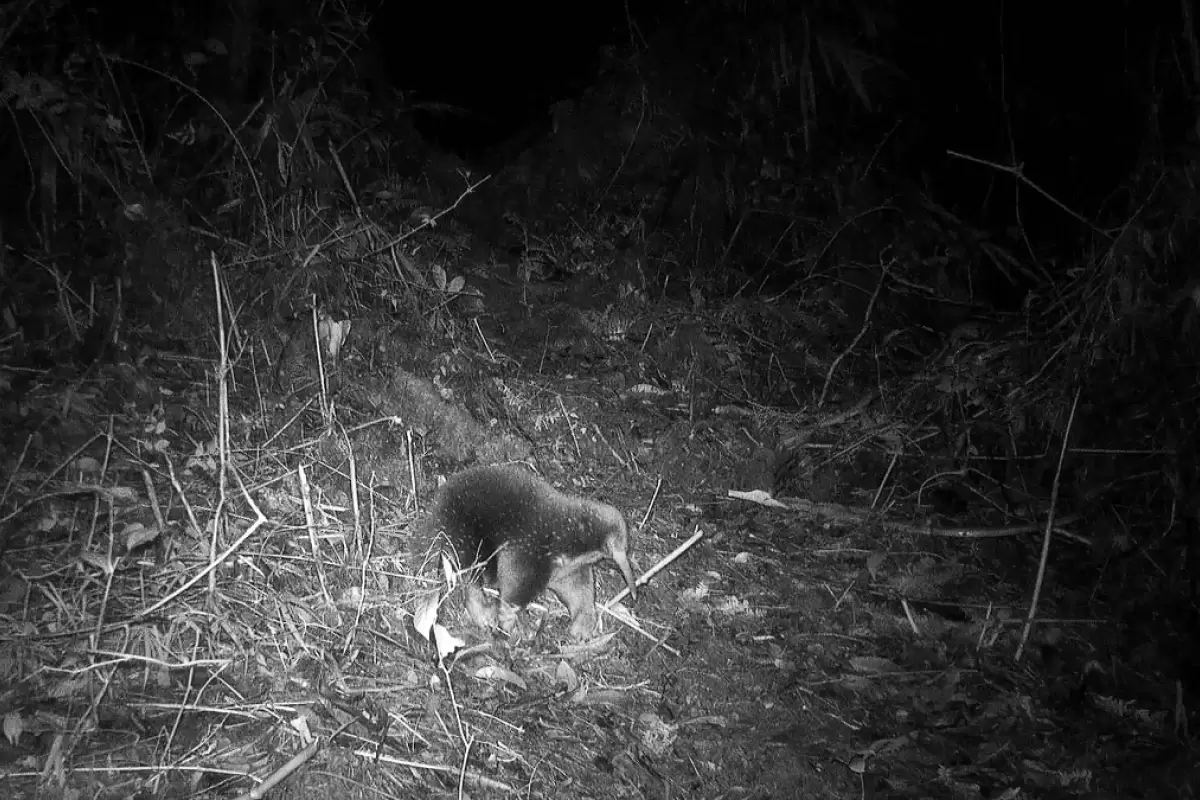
(621,557)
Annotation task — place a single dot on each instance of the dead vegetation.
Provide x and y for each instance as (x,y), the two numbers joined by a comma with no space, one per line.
(915,510)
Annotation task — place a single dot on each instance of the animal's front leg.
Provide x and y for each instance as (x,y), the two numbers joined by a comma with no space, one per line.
(577,591)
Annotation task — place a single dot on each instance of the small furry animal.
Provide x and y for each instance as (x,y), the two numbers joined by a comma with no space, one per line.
(528,537)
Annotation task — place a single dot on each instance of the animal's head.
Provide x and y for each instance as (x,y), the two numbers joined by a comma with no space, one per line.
(616,543)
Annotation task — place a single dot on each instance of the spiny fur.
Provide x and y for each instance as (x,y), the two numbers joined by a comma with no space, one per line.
(528,536)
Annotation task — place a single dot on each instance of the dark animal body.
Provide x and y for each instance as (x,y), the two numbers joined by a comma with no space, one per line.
(528,537)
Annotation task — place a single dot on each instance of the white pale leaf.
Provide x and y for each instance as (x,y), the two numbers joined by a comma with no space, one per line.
(14,726)
(493,672)
(757,496)
(446,641)
(136,534)
(425,614)
(565,674)
(87,464)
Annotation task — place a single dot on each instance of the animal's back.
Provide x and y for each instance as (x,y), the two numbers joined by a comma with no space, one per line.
(483,508)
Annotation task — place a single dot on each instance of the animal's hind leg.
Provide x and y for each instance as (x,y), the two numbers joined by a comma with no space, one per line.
(516,579)
(577,590)
(481,609)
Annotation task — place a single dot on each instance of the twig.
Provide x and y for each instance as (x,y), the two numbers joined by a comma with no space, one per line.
(733,238)
(121,657)
(1041,574)
(6,33)
(197,529)
(483,338)
(462,770)
(657,568)
(251,171)
(837,512)
(624,156)
(12,476)
(310,522)
(620,460)
(322,380)
(478,780)
(155,506)
(908,613)
(829,244)
(187,703)
(211,567)
(294,763)
(1018,172)
(90,716)
(650,505)
(109,438)
(222,423)
(61,466)
(291,421)
(998,532)
(858,338)
(570,427)
(428,222)
(355,509)
(638,629)
(883,482)
(410,451)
